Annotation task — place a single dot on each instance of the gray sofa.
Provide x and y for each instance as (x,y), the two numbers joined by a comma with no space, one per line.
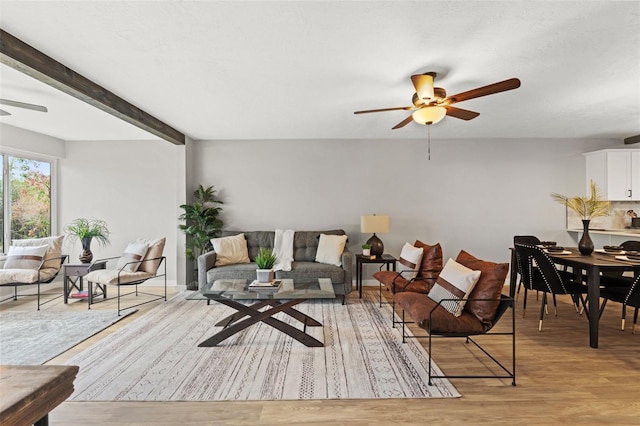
(303,269)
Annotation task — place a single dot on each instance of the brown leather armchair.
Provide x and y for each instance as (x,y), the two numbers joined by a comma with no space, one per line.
(430,268)
(484,307)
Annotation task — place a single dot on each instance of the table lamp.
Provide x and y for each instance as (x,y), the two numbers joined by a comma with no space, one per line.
(374,224)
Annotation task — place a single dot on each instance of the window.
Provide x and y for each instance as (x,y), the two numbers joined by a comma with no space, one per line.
(25,198)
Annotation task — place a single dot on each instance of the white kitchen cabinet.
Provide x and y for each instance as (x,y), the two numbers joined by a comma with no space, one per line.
(616,172)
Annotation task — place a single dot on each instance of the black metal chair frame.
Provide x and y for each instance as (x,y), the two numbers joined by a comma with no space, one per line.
(103,287)
(393,302)
(505,303)
(39,282)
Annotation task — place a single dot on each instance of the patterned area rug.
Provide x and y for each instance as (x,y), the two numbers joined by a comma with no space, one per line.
(35,337)
(157,358)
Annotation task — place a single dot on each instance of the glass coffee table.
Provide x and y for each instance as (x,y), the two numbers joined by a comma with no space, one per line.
(233,293)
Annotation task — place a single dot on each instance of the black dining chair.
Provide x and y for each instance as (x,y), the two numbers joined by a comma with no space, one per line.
(545,277)
(523,239)
(626,296)
(613,279)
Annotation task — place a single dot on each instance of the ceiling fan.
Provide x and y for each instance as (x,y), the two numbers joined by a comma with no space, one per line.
(431,104)
(33,107)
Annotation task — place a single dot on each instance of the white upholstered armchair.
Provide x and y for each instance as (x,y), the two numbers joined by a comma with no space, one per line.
(35,262)
(141,261)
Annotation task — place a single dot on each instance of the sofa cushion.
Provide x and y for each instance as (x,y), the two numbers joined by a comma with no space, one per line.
(156,247)
(25,276)
(241,271)
(134,252)
(454,282)
(489,286)
(305,243)
(29,257)
(311,271)
(393,281)
(255,240)
(409,261)
(54,250)
(115,276)
(230,250)
(431,263)
(330,248)
(418,306)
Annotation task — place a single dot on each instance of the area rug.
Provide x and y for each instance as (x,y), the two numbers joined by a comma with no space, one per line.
(157,358)
(35,337)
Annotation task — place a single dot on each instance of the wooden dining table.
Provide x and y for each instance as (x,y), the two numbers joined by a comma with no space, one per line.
(592,265)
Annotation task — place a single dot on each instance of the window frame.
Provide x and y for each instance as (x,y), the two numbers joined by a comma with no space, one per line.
(6,191)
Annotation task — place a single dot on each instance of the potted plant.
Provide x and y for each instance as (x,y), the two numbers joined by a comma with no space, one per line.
(86,230)
(587,209)
(265,261)
(201,224)
(366,249)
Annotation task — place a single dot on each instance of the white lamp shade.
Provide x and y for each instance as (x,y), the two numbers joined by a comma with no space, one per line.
(374,224)
(429,115)
(426,89)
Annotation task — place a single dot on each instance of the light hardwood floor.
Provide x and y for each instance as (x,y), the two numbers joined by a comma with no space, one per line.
(560,379)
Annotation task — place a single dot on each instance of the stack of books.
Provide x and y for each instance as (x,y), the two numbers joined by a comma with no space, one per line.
(268,286)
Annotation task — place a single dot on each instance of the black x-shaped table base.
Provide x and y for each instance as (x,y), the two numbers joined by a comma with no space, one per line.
(233,323)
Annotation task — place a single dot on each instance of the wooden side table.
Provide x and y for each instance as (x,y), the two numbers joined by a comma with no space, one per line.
(73,274)
(385,259)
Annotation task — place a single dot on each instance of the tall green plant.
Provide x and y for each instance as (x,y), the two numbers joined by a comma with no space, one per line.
(201,221)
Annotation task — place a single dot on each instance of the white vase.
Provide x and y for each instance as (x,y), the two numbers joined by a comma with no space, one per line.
(366,252)
(264,275)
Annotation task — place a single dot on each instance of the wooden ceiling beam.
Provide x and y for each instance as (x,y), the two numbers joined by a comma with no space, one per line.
(25,58)
(632,139)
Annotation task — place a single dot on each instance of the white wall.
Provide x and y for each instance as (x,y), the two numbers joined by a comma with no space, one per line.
(14,139)
(473,194)
(132,185)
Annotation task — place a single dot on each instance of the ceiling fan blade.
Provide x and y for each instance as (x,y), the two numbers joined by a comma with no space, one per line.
(463,114)
(403,123)
(3,112)
(407,108)
(23,105)
(502,86)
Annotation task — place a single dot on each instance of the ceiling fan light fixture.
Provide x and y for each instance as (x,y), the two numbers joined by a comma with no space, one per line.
(426,88)
(429,115)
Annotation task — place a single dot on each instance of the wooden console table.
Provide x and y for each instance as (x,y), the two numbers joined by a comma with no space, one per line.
(30,392)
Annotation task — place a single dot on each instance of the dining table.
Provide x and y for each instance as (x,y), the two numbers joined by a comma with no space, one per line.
(591,266)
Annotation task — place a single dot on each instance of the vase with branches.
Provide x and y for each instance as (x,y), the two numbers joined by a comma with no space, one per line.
(587,208)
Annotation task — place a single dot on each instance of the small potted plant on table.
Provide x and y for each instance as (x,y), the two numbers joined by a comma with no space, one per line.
(366,249)
(265,261)
(86,230)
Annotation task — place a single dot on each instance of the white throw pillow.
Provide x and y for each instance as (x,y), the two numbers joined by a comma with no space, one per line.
(454,282)
(231,250)
(133,253)
(410,258)
(330,248)
(25,257)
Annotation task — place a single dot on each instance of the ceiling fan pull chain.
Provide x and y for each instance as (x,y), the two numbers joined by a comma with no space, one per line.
(429,141)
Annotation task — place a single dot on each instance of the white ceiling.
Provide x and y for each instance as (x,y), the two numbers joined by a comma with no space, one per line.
(298,69)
